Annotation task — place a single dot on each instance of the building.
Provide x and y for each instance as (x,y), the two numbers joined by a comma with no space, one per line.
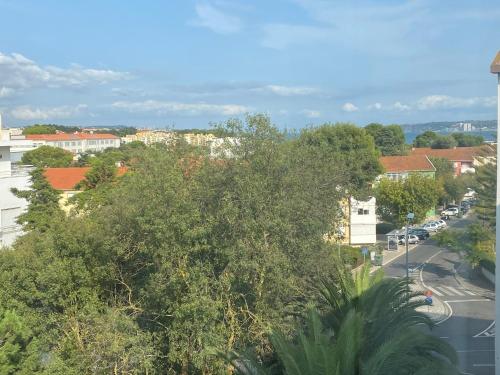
(356,224)
(17,142)
(464,159)
(150,137)
(77,143)
(400,167)
(66,179)
(10,205)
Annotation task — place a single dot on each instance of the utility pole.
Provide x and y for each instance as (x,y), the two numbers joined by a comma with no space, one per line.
(495,69)
(409,217)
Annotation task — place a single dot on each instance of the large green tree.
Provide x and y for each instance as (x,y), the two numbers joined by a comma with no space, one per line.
(417,194)
(47,156)
(390,140)
(486,182)
(444,141)
(467,140)
(425,139)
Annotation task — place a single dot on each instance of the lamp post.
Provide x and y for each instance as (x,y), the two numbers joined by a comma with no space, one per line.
(409,217)
(495,69)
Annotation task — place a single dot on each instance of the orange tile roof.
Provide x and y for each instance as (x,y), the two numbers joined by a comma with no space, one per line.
(69,136)
(67,178)
(454,154)
(407,163)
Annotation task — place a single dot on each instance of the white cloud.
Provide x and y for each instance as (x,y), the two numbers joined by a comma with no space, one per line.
(376,106)
(401,107)
(5,92)
(18,73)
(162,107)
(311,113)
(288,90)
(449,102)
(349,107)
(216,20)
(28,113)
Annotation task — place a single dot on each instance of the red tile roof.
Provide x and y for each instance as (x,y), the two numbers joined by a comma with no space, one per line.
(454,154)
(407,163)
(69,136)
(67,178)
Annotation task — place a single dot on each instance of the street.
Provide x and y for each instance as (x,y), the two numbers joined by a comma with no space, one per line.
(468,324)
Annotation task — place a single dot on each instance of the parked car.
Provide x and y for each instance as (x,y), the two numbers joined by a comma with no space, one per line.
(412,239)
(421,233)
(430,227)
(441,224)
(453,211)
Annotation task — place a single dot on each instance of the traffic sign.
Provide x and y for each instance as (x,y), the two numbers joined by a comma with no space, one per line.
(428,300)
(364,250)
(428,293)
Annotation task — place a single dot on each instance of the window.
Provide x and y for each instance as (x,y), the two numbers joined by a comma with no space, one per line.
(66,144)
(360,211)
(366,212)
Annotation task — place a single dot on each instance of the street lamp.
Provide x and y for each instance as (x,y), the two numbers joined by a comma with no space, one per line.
(495,69)
(409,217)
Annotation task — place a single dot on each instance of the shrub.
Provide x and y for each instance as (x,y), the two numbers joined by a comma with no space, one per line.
(383,228)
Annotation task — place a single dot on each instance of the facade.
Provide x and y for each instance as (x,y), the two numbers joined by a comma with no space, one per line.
(464,159)
(150,137)
(400,167)
(76,143)
(357,223)
(10,205)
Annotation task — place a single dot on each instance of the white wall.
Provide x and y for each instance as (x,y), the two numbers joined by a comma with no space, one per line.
(5,162)
(363,221)
(10,207)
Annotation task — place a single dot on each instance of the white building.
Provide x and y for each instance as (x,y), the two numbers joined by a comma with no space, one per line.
(76,143)
(362,222)
(17,142)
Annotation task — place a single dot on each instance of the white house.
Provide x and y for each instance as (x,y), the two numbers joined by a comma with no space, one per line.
(362,222)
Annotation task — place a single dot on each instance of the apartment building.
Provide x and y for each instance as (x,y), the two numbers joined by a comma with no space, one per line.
(76,143)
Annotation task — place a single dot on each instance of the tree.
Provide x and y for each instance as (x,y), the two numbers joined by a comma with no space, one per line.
(390,140)
(39,129)
(47,156)
(443,166)
(359,330)
(416,194)
(444,141)
(486,182)
(43,202)
(425,139)
(468,140)
(349,148)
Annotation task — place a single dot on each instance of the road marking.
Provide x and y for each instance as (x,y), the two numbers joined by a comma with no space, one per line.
(435,291)
(444,337)
(469,292)
(485,331)
(483,365)
(453,290)
(469,300)
(449,315)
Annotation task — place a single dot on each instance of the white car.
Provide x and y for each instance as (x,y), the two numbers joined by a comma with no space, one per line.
(450,212)
(441,224)
(412,239)
(430,227)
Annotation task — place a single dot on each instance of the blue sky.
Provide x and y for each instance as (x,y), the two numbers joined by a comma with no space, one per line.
(188,63)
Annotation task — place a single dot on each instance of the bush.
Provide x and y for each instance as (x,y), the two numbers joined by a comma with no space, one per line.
(449,238)
(488,265)
(351,255)
(383,228)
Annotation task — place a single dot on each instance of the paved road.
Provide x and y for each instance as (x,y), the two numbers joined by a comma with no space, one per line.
(469,326)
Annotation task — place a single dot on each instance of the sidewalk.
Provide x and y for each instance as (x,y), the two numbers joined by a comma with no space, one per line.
(390,255)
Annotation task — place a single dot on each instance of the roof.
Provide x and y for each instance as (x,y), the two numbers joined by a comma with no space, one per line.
(495,64)
(67,178)
(407,163)
(455,154)
(69,136)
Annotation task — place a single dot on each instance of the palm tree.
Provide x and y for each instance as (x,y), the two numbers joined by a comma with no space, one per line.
(366,325)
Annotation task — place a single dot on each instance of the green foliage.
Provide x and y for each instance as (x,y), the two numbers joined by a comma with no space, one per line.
(363,326)
(395,199)
(49,129)
(349,148)
(467,140)
(444,141)
(444,167)
(383,228)
(120,131)
(486,182)
(43,203)
(390,140)
(425,139)
(47,156)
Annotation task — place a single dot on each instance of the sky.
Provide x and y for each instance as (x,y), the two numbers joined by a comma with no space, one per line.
(191,63)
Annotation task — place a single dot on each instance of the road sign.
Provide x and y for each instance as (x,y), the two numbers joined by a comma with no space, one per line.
(364,250)
(428,300)
(428,293)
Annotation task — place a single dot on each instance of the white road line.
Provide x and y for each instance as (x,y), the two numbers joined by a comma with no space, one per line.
(485,330)
(435,291)
(468,300)
(483,365)
(449,315)
(453,290)
(469,292)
